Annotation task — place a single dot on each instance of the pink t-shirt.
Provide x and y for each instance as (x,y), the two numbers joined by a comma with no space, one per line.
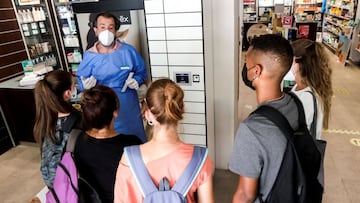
(172,165)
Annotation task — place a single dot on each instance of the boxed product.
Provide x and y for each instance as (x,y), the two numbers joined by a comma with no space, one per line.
(27,66)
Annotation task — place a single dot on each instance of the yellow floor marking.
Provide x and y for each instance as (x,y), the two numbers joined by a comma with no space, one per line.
(248,106)
(341,91)
(338,131)
(355,141)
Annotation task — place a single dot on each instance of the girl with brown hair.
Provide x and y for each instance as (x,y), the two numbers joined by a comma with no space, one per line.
(313,76)
(55,117)
(165,155)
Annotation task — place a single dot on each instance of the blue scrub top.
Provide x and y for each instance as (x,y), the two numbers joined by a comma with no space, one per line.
(112,70)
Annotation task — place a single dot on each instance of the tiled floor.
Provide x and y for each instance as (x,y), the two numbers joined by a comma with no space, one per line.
(20,177)
(20,174)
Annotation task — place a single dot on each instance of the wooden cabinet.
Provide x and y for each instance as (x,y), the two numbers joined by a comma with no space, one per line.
(12,49)
(18,105)
(6,141)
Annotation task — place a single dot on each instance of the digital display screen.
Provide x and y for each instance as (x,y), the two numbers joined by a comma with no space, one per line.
(182,78)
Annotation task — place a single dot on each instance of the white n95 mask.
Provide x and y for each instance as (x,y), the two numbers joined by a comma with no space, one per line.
(106,38)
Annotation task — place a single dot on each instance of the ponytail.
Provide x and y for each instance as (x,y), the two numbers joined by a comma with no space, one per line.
(49,101)
(164,98)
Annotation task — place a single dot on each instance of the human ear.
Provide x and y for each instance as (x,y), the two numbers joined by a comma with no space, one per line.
(115,114)
(294,68)
(258,69)
(149,116)
(67,95)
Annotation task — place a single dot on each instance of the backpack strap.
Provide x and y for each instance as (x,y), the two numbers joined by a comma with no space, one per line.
(313,124)
(277,118)
(138,168)
(282,123)
(181,186)
(301,112)
(187,178)
(70,145)
(72,121)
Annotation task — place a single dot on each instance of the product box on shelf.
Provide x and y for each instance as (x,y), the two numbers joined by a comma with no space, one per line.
(27,66)
(29,2)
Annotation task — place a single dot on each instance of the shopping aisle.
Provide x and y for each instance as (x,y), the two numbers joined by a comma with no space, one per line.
(342,161)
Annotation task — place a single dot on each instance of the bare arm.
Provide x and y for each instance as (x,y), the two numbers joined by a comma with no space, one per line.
(205,192)
(246,191)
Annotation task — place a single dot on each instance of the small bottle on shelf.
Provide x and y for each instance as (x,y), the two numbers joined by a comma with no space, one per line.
(77,56)
(20,16)
(34,14)
(29,16)
(42,14)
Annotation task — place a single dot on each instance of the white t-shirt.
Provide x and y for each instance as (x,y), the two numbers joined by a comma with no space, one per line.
(308,103)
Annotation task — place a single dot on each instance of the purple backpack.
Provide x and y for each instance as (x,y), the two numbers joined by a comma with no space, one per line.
(67,181)
(165,194)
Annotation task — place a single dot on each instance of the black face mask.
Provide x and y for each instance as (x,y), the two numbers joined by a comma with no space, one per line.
(247,82)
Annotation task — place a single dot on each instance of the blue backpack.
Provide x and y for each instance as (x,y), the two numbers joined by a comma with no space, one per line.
(164,193)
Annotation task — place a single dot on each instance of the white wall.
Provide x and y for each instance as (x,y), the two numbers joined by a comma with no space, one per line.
(83,20)
(175,40)
(221,58)
(200,37)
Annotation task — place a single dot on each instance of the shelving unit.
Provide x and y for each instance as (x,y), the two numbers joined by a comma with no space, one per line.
(354,54)
(308,11)
(338,26)
(68,30)
(250,11)
(265,10)
(37,31)
(288,6)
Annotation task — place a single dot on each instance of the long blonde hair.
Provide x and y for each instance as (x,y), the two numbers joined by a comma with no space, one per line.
(315,71)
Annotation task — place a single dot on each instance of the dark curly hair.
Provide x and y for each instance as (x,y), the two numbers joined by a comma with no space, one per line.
(277,47)
(107,15)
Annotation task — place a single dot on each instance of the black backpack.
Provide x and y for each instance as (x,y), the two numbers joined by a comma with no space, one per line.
(296,181)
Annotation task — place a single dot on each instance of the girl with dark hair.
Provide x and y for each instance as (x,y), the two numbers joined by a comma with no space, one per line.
(98,150)
(54,119)
(165,154)
(313,76)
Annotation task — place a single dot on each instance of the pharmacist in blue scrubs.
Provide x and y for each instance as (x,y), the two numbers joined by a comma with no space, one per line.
(117,65)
